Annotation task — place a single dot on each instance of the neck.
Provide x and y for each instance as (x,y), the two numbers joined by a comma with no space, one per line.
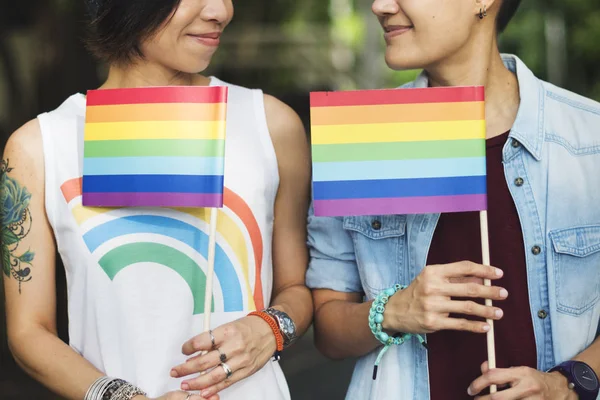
(144,74)
(480,64)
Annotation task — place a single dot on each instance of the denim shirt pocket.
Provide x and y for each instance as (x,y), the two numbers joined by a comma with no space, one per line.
(576,260)
(379,249)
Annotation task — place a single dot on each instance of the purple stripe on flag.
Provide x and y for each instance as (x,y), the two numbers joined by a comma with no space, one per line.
(400,205)
(153,200)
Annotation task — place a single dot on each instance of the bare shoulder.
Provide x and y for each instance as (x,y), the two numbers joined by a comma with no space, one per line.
(24,155)
(284,123)
(290,142)
(25,142)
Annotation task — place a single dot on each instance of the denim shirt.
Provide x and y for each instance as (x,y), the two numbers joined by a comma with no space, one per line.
(552,167)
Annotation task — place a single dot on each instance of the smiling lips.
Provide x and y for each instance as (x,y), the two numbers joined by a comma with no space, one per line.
(392,31)
(208,39)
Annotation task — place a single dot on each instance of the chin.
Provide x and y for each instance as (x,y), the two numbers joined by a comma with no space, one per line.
(193,66)
(400,60)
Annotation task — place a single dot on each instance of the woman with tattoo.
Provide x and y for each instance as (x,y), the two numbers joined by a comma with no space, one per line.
(135,276)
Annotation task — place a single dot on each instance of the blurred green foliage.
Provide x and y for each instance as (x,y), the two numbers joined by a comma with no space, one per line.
(526,37)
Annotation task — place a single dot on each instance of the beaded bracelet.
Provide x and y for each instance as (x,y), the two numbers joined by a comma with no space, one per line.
(376,321)
(127,392)
(112,388)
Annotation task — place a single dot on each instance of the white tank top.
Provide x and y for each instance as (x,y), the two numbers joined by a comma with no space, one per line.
(136,276)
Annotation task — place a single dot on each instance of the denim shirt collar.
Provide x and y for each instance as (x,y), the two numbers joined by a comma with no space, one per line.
(528,128)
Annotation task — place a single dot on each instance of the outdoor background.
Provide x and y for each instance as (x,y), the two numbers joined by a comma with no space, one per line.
(287,48)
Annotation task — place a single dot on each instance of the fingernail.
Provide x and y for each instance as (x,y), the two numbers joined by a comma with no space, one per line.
(499,272)
(174,374)
(503,293)
(499,313)
(469,391)
(486,328)
(185,386)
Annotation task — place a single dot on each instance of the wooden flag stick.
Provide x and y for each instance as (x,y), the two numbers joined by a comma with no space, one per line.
(208,292)
(485,253)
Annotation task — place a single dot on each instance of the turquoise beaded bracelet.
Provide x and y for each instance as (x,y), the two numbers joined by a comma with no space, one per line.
(376,321)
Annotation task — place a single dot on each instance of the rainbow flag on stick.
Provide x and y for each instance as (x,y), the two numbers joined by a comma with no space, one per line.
(401,151)
(155,147)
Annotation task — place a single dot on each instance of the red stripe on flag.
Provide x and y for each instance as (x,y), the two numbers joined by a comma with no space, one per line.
(397,96)
(155,95)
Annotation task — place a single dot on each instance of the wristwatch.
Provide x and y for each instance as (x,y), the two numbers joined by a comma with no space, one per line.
(286,326)
(582,379)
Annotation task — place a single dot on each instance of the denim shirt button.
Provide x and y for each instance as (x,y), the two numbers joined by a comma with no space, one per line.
(376,225)
(536,250)
(515,143)
(519,182)
(542,314)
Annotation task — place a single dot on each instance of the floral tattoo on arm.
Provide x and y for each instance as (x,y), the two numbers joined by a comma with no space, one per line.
(16,225)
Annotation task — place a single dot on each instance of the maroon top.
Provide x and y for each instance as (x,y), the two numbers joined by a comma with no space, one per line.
(455,357)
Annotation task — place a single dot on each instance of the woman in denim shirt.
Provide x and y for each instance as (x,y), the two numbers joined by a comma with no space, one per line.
(543,159)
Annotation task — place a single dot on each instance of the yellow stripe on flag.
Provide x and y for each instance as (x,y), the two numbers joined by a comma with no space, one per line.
(147,130)
(401,132)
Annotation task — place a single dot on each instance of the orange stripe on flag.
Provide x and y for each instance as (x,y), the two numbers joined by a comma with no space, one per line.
(396,113)
(157,112)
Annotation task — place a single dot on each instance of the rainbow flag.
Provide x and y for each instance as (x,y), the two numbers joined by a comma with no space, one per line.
(155,147)
(401,151)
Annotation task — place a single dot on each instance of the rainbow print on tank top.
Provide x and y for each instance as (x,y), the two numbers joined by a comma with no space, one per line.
(177,238)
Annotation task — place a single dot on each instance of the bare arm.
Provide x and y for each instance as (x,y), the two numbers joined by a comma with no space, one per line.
(591,356)
(341,328)
(290,254)
(28,261)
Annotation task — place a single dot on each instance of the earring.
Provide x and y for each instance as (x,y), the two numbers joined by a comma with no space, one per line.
(483,12)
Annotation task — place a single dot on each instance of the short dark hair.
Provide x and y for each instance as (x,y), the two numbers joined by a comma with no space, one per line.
(508,8)
(117,27)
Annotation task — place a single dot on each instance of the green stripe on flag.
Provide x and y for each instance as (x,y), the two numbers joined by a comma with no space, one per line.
(398,150)
(154,148)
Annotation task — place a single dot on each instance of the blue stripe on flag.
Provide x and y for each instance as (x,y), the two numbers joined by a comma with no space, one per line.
(154,166)
(399,188)
(152,184)
(400,169)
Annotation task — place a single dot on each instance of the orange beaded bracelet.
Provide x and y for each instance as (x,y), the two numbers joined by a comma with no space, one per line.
(274,327)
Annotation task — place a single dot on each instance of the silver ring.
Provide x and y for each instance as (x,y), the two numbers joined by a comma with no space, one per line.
(212,338)
(227,370)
